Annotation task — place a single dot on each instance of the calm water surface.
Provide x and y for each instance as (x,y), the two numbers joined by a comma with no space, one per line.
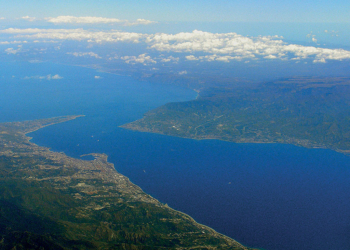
(272,196)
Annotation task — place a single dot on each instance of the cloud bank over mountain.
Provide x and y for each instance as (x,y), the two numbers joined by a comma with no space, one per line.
(223,47)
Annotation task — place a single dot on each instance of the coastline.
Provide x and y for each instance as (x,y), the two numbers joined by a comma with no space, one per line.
(109,171)
(289,141)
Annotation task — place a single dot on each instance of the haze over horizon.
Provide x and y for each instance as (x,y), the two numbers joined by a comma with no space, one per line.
(161,37)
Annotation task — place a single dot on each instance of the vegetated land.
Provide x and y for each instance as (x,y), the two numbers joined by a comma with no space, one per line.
(309,112)
(51,201)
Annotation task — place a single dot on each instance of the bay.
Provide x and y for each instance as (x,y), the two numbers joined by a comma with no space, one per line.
(270,196)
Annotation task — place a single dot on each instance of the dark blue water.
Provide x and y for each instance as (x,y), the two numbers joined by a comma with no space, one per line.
(272,196)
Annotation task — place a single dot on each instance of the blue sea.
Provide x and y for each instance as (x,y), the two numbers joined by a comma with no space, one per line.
(270,196)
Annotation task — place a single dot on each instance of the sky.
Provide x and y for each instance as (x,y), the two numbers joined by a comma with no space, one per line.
(314,11)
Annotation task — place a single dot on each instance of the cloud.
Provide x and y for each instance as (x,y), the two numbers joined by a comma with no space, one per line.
(332,32)
(96,20)
(227,58)
(55,77)
(82,20)
(12,51)
(309,35)
(143,58)
(12,42)
(270,57)
(28,18)
(38,31)
(318,53)
(210,58)
(320,60)
(191,58)
(170,59)
(237,47)
(79,54)
(113,57)
(48,77)
(44,41)
(215,46)
(313,37)
(139,22)
(76,34)
(199,41)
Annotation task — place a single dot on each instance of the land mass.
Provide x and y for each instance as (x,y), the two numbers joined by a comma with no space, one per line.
(51,201)
(304,111)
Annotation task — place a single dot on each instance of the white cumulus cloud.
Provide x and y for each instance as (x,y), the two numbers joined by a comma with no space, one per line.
(28,18)
(321,60)
(232,46)
(76,34)
(139,22)
(143,58)
(55,77)
(223,47)
(170,59)
(312,36)
(191,58)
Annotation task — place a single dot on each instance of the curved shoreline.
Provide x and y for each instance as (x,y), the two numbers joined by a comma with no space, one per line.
(101,159)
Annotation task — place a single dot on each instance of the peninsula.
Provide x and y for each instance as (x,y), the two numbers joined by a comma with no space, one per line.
(304,111)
